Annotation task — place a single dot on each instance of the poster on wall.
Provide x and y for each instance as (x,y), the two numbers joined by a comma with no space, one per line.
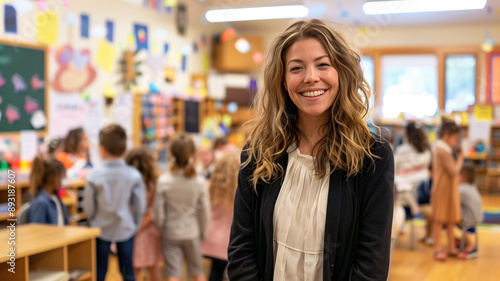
(67,112)
(10,19)
(75,71)
(141,36)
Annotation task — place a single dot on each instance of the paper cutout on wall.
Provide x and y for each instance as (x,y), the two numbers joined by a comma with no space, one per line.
(170,3)
(109,91)
(70,19)
(38,119)
(161,34)
(181,18)
(2,80)
(106,55)
(30,105)
(205,62)
(23,6)
(41,5)
(18,82)
(47,27)
(10,19)
(84,26)
(12,114)
(141,36)
(75,72)
(165,48)
(98,31)
(184,62)
(110,30)
(170,74)
(36,83)
(65,3)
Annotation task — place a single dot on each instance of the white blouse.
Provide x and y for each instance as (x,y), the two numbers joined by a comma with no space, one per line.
(299,221)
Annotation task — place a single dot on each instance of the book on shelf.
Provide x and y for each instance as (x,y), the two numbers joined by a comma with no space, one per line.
(48,275)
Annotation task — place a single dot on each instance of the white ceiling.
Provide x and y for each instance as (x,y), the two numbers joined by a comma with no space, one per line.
(349,12)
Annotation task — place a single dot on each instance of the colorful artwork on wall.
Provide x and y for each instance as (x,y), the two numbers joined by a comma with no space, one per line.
(75,72)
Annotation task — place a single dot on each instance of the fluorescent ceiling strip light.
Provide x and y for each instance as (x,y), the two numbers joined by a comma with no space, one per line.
(257,13)
(416,6)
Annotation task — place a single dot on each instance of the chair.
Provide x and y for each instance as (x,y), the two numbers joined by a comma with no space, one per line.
(22,217)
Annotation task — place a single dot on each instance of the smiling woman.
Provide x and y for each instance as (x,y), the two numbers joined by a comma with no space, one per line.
(315,192)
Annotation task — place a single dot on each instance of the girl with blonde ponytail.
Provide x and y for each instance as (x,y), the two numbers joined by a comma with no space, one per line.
(182,211)
(315,191)
(45,179)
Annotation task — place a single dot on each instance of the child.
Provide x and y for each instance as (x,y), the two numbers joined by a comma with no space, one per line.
(445,198)
(45,180)
(147,247)
(75,153)
(471,206)
(114,200)
(75,147)
(182,211)
(206,161)
(223,185)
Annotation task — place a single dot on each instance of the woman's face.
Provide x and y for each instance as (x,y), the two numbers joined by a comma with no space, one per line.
(310,78)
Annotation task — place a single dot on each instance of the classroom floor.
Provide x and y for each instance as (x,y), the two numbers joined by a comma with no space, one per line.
(418,264)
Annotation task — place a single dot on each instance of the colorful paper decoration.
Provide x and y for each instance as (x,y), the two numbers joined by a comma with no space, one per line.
(10,19)
(170,3)
(141,36)
(84,25)
(36,83)
(98,31)
(23,6)
(18,83)
(110,27)
(75,71)
(184,62)
(106,55)
(30,105)
(2,80)
(46,25)
(38,119)
(12,114)
(70,19)
(483,112)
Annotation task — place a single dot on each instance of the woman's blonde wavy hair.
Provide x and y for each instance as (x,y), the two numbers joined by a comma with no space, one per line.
(346,138)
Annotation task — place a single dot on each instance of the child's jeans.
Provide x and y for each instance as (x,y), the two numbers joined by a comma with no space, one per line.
(124,250)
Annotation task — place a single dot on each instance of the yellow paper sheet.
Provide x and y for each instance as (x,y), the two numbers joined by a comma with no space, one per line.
(170,3)
(483,113)
(206,62)
(106,55)
(46,27)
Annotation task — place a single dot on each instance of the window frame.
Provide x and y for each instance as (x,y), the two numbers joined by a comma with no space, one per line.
(441,52)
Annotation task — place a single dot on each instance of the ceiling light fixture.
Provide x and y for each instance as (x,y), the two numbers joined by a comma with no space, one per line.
(257,13)
(416,6)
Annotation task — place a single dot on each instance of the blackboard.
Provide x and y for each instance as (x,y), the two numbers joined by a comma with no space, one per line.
(22,64)
(192,116)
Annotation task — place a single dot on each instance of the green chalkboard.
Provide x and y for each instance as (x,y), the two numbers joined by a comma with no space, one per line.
(23,91)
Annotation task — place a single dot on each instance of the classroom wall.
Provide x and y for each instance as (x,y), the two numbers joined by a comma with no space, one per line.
(123,15)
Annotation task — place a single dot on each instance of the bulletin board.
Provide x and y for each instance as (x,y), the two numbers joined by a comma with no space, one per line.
(23,87)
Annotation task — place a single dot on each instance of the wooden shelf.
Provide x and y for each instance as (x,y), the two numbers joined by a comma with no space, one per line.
(85,276)
(477,156)
(495,142)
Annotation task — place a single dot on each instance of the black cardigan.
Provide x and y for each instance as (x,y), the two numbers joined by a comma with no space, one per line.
(357,228)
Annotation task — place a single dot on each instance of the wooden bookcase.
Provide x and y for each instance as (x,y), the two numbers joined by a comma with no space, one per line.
(51,251)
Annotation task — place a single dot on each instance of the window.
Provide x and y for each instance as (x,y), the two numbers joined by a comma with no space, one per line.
(409,85)
(460,87)
(368,71)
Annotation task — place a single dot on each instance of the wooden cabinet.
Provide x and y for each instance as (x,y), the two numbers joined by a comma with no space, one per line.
(228,58)
(47,252)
